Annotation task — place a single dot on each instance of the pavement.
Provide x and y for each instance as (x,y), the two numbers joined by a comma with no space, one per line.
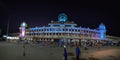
(14,51)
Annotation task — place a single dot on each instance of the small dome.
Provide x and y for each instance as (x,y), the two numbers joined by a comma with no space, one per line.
(23,24)
(102,26)
(62,17)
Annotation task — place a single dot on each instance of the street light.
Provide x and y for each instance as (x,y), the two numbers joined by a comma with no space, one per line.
(24,49)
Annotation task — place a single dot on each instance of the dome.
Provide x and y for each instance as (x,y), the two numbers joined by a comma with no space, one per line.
(102,26)
(62,17)
(23,24)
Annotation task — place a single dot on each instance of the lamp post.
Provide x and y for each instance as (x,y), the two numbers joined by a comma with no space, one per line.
(24,49)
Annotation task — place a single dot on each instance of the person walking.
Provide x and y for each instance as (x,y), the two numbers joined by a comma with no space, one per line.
(65,53)
(77,52)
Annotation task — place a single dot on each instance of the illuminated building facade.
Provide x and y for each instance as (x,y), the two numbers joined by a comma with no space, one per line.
(64,31)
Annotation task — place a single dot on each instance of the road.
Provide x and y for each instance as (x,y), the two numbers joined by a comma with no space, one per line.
(13,51)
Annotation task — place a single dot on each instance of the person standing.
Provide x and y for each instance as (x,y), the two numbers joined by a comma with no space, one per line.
(65,53)
(77,52)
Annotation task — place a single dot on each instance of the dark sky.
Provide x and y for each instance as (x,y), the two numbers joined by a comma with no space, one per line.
(39,13)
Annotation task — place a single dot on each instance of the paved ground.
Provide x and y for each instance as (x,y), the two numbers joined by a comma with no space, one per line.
(13,51)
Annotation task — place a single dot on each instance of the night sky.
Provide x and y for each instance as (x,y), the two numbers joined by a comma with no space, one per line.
(38,13)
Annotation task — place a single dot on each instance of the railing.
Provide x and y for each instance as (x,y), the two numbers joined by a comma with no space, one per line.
(63,36)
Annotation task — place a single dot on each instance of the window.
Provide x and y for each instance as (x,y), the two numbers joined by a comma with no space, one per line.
(75,29)
(50,29)
(68,25)
(63,29)
(72,29)
(55,25)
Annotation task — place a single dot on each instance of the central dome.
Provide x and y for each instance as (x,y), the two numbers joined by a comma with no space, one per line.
(62,17)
